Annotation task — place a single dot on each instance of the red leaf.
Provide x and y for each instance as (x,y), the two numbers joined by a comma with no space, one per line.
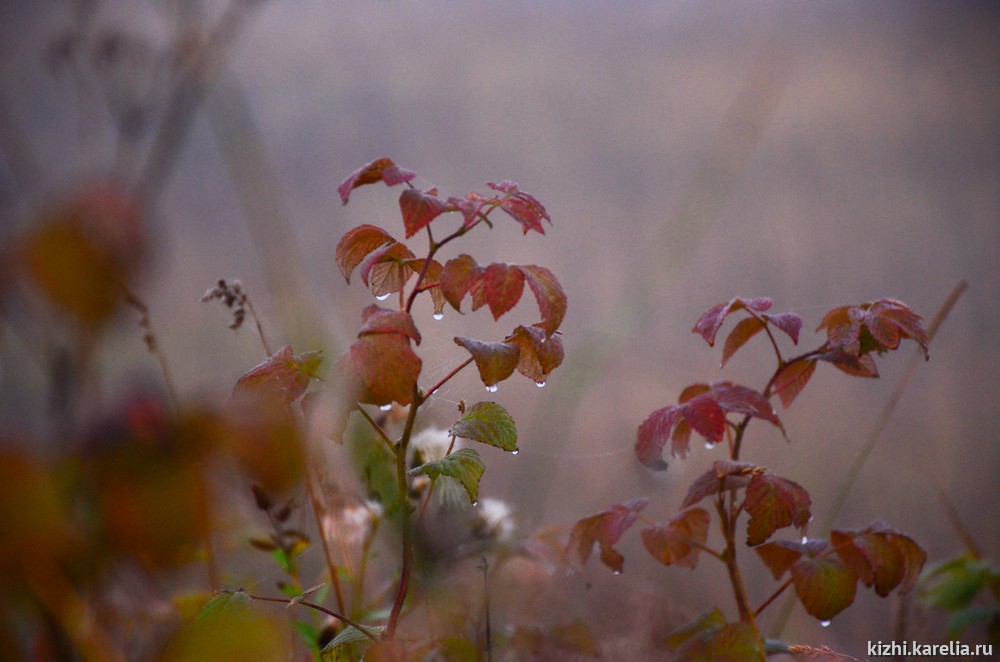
(790,323)
(383,368)
(733,642)
(779,556)
(431,282)
(725,476)
(693,390)
(420,208)
(496,360)
(792,379)
(878,326)
(521,206)
(356,244)
(378,170)
(283,375)
(375,319)
(678,541)
(704,414)
(774,503)
(502,287)
(744,330)
(539,354)
(548,293)
(850,362)
(603,529)
(457,278)
(653,435)
(709,324)
(471,206)
(736,399)
(880,557)
(386,270)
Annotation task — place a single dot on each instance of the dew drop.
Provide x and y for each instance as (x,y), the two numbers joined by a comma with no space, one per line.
(475,503)
(708,444)
(492,388)
(618,572)
(385,407)
(439,316)
(383,297)
(540,384)
(805,539)
(825,624)
(515,451)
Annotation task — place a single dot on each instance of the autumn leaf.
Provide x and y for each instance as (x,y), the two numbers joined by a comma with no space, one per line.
(471,206)
(792,379)
(880,557)
(502,287)
(679,541)
(548,293)
(386,269)
(496,361)
(379,170)
(521,206)
(779,556)
(539,354)
(283,375)
(824,584)
(431,282)
(356,244)
(487,423)
(774,503)
(457,278)
(464,465)
(380,366)
(711,321)
(419,208)
(724,475)
(744,330)
(876,326)
(790,323)
(718,642)
(603,529)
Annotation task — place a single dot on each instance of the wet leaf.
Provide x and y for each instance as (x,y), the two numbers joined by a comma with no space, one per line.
(603,529)
(538,354)
(383,368)
(708,324)
(496,361)
(283,375)
(431,282)
(679,541)
(463,465)
(732,642)
(779,556)
(487,423)
(356,244)
(825,585)
(548,293)
(954,584)
(379,170)
(387,269)
(880,557)
(790,323)
(876,326)
(707,623)
(457,278)
(774,503)
(419,208)
(375,319)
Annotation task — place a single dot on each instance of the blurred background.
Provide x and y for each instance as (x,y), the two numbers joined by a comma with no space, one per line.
(821,154)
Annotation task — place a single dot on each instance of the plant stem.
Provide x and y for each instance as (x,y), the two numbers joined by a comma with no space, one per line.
(451,374)
(318,607)
(318,510)
(405,510)
(378,429)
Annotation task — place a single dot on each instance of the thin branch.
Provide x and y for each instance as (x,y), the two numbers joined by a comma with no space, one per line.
(378,429)
(451,374)
(318,607)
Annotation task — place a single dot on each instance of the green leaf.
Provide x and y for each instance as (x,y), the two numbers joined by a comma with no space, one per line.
(733,642)
(463,465)
(488,423)
(953,584)
(708,622)
(963,619)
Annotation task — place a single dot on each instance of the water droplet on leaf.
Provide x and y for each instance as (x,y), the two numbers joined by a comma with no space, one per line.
(383,297)
(708,444)
(515,451)
(805,539)
(825,624)
(539,384)
(618,572)
(492,388)
(385,407)
(475,503)
(439,316)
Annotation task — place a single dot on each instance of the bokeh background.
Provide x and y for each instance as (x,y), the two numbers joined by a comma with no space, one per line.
(818,153)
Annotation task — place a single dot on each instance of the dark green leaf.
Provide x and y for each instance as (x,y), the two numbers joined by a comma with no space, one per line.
(488,423)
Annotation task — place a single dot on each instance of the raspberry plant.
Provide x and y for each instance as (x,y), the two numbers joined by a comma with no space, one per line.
(823,571)
(382,367)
